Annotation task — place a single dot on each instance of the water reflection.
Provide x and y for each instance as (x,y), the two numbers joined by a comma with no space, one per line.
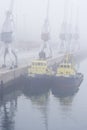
(39,96)
(40,99)
(65,97)
(64,92)
(8,107)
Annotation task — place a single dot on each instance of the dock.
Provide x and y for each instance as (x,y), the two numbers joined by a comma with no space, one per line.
(9,77)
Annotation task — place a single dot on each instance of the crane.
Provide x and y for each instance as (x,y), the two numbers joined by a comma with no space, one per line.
(45,36)
(66,29)
(63,33)
(7,36)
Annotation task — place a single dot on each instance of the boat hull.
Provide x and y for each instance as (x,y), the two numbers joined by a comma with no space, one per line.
(55,81)
(39,81)
(67,82)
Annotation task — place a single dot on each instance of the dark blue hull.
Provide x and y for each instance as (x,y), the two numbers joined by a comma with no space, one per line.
(54,81)
(73,81)
(39,81)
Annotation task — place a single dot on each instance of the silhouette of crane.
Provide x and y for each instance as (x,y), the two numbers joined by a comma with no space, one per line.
(7,36)
(45,36)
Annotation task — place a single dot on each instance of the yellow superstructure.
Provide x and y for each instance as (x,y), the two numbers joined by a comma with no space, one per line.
(66,67)
(39,67)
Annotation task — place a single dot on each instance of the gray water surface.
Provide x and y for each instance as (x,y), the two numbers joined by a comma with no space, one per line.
(24,108)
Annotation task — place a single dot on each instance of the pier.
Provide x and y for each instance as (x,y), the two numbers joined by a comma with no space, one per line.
(9,77)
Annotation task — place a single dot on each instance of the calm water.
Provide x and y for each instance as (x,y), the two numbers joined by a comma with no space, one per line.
(23,108)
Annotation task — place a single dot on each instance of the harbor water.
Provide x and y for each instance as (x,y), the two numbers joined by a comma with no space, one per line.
(25,107)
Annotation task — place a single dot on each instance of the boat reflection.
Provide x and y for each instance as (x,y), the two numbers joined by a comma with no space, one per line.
(65,98)
(63,91)
(39,96)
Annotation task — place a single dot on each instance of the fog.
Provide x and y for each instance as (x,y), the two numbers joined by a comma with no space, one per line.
(29,17)
(50,92)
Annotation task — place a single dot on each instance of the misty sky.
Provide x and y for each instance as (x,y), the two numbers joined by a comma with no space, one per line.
(29,16)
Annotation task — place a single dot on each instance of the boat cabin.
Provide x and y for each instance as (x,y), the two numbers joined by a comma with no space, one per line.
(66,69)
(39,67)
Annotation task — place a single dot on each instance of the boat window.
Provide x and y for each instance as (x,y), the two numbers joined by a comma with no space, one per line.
(41,64)
(44,64)
(65,66)
(61,65)
(68,66)
(34,64)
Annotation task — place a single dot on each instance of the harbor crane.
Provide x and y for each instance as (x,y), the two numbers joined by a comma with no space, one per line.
(45,36)
(7,37)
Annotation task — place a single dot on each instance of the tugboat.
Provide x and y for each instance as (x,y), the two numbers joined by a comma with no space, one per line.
(39,73)
(66,74)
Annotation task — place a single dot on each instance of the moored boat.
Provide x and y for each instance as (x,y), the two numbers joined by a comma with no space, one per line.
(39,74)
(66,75)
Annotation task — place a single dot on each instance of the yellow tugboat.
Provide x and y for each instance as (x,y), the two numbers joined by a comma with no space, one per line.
(39,74)
(66,74)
